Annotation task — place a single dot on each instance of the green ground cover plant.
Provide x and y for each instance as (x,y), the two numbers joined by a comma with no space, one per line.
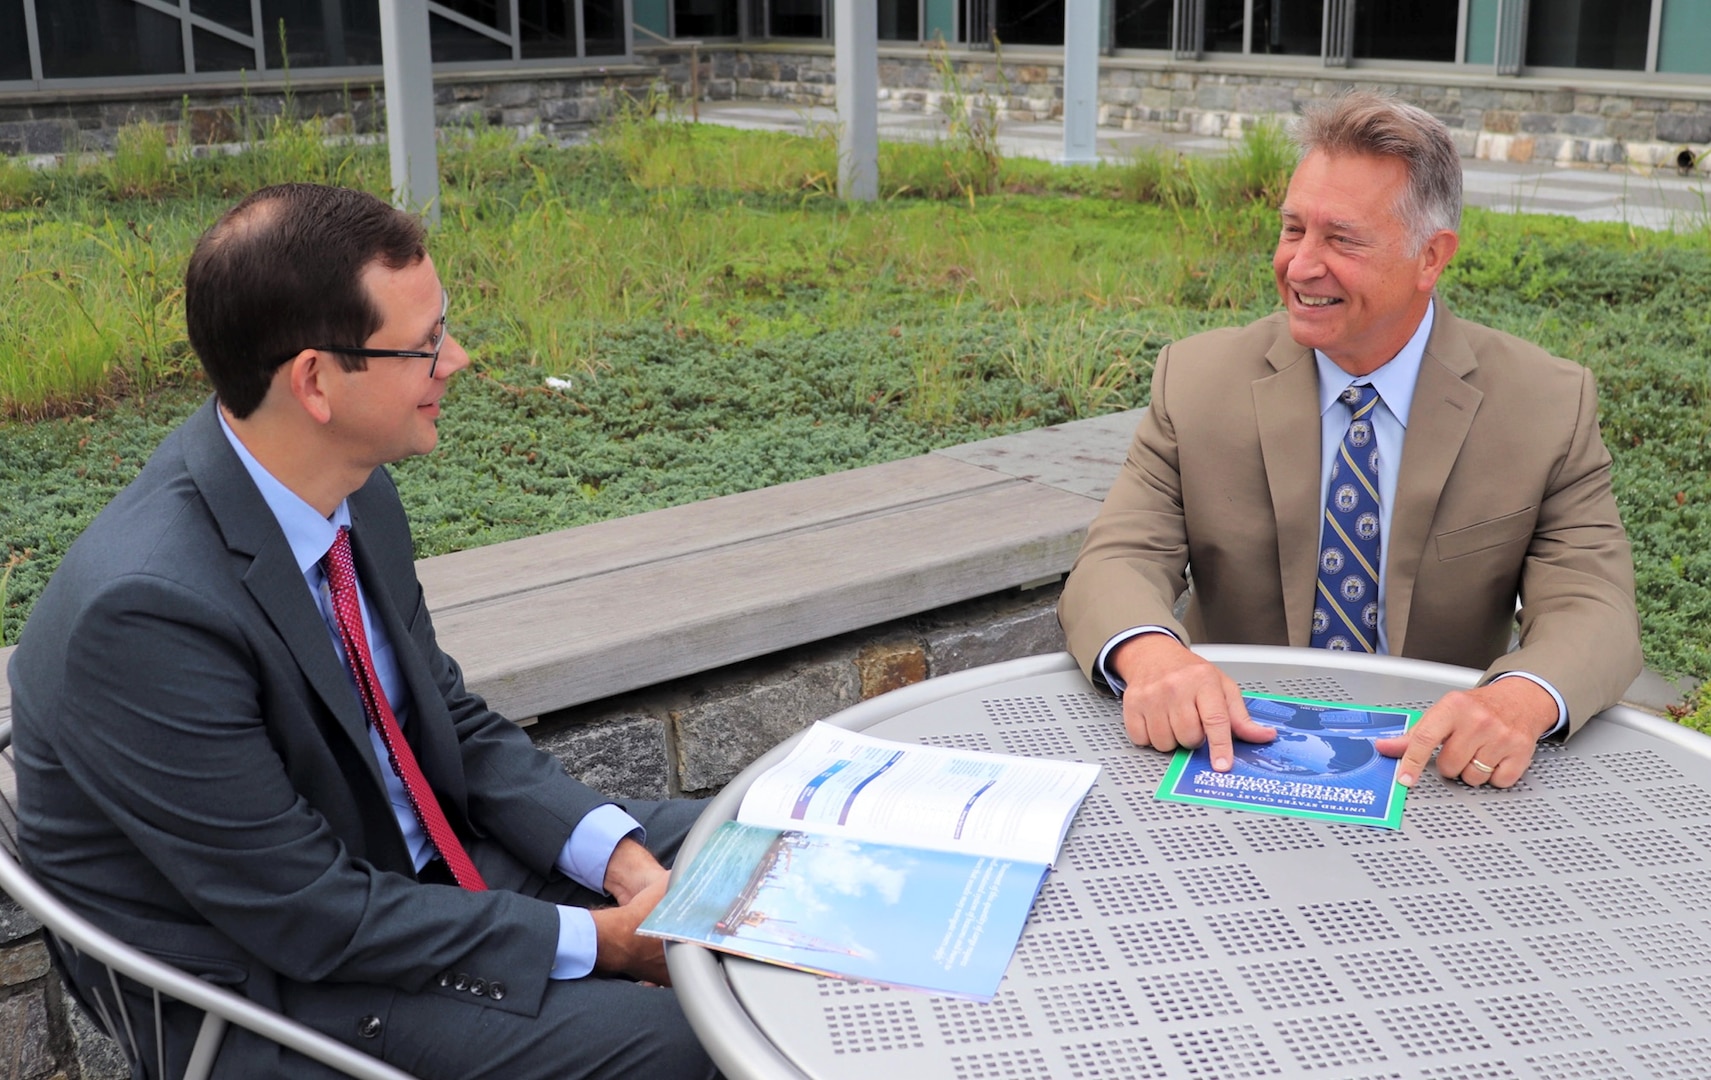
(712,319)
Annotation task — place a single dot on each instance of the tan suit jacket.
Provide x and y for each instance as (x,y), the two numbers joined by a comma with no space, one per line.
(1503,492)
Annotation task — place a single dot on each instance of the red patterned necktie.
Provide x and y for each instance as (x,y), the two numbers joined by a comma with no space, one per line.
(341,583)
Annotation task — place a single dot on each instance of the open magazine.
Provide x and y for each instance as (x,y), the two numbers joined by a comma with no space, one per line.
(895,863)
(1322,765)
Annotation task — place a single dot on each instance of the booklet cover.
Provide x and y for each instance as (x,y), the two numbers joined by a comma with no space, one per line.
(929,920)
(893,862)
(1322,765)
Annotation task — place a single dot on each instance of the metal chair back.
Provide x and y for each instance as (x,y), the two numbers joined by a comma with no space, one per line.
(220,1008)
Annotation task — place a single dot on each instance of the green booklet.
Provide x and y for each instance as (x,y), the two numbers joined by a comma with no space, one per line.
(1322,765)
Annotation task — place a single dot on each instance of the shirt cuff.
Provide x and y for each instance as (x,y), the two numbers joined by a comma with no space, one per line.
(585,855)
(576,943)
(1562,707)
(1116,682)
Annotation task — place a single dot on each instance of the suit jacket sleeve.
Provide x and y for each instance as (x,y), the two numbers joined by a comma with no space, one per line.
(1579,625)
(1131,568)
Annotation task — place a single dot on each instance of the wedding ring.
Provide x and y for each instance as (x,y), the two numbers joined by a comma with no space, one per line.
(1482,766)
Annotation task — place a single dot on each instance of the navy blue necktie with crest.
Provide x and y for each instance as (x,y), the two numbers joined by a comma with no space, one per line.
(1345,609)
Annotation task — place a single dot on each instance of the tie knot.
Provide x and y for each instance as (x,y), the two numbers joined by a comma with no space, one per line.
(341,572)
(1359,396)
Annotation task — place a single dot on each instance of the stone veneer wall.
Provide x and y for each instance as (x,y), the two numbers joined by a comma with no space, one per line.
(1596,121)
(689,736)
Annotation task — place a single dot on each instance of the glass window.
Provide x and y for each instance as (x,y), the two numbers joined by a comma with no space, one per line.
(548,27)
(322,33)
(451,42)
(1684,43)
(900,20)
(603,27)
(1142,24)
(1028,22)
(1224,19)
(14,48)
(89,38)
(1406,29)
(1289,27)
(231,13)
(714,18)
(1588,33)
(797,18)
(215,53)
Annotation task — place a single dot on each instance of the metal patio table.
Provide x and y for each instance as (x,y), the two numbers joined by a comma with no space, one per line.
(1558,929)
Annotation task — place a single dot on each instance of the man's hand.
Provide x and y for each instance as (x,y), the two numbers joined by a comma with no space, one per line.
(619,950)
(1175,698)
(1487,734)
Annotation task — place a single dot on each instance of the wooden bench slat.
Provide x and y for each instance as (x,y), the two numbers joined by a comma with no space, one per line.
(480,575)
(584,640)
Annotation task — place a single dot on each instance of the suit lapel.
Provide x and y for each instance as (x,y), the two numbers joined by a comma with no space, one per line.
(1290,449)
(272,577)
(1438,423)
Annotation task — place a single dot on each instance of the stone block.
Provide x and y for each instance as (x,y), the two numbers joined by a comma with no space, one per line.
(15,922)
(1684,128)
(992,631)
(1265,98)
(511,95)
(1476,98)
(1466,140)
(890,665)
(1518,100)
(520,117)
(21,963)
(45,137)
(1502,121)
(1586,103)
(719,731)
(24,1036)
(1153,97)
(751,88)
(1122,95)
(1554,101)
(1117,77)
(1633,129)
(1030,74)
(1582,125)
(468,92)
(620,753)
(98,1057)
(1215,97)
(719,89)
(462,114)
(1616,105)
(1535,123)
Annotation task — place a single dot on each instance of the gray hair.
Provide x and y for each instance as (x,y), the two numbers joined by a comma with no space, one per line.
(1364,122)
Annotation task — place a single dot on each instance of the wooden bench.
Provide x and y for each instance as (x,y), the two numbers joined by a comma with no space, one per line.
(556,620)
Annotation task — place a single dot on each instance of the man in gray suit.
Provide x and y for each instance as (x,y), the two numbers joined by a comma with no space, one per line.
(1364,471)
(239,756)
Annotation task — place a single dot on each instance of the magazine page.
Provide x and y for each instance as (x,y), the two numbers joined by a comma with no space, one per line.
(1322,765)
(928,920)
(864,788)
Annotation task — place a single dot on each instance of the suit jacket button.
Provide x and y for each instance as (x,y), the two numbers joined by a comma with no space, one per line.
(368,1027)
(462,981)
(478,987)
(445,978)
(496,990)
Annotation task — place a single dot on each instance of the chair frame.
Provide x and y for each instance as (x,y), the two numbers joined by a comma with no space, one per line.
(221,1008)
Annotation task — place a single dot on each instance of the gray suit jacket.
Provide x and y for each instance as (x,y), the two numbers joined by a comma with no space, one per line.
(1503,492)
(194,771)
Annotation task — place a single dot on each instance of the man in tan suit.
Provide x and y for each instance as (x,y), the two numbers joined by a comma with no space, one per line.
(1482,456)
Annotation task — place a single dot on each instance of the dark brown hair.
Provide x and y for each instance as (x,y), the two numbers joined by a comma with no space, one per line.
(282,271)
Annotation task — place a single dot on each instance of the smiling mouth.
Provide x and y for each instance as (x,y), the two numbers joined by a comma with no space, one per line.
(1317,301)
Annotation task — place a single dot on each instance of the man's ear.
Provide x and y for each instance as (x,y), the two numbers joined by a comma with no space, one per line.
(1436,255)
(307,378)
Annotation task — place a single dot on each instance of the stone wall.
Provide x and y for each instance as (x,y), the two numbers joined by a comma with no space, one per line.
(691,736)
(1499,119)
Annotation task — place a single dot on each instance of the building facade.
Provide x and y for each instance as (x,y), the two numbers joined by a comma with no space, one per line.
(70,44)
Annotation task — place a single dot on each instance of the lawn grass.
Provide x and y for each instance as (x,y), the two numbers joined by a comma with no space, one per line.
(713,320)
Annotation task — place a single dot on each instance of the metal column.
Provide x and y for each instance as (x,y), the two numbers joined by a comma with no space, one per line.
(855,55)
(409,83)
(1080,81)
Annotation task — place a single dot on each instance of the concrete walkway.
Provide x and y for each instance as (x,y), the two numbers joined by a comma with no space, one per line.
(1658,200)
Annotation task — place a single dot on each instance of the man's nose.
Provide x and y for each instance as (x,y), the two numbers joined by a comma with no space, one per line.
(453,359)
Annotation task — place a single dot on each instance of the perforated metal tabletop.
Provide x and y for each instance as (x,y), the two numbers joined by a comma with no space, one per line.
(1560,929)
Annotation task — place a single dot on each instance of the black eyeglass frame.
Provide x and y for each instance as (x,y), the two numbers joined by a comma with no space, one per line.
(405,354)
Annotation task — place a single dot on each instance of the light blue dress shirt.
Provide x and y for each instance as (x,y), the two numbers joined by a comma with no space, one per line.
(1395,385)
(584,856)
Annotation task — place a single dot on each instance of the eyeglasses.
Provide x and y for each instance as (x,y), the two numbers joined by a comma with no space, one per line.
(407,354)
